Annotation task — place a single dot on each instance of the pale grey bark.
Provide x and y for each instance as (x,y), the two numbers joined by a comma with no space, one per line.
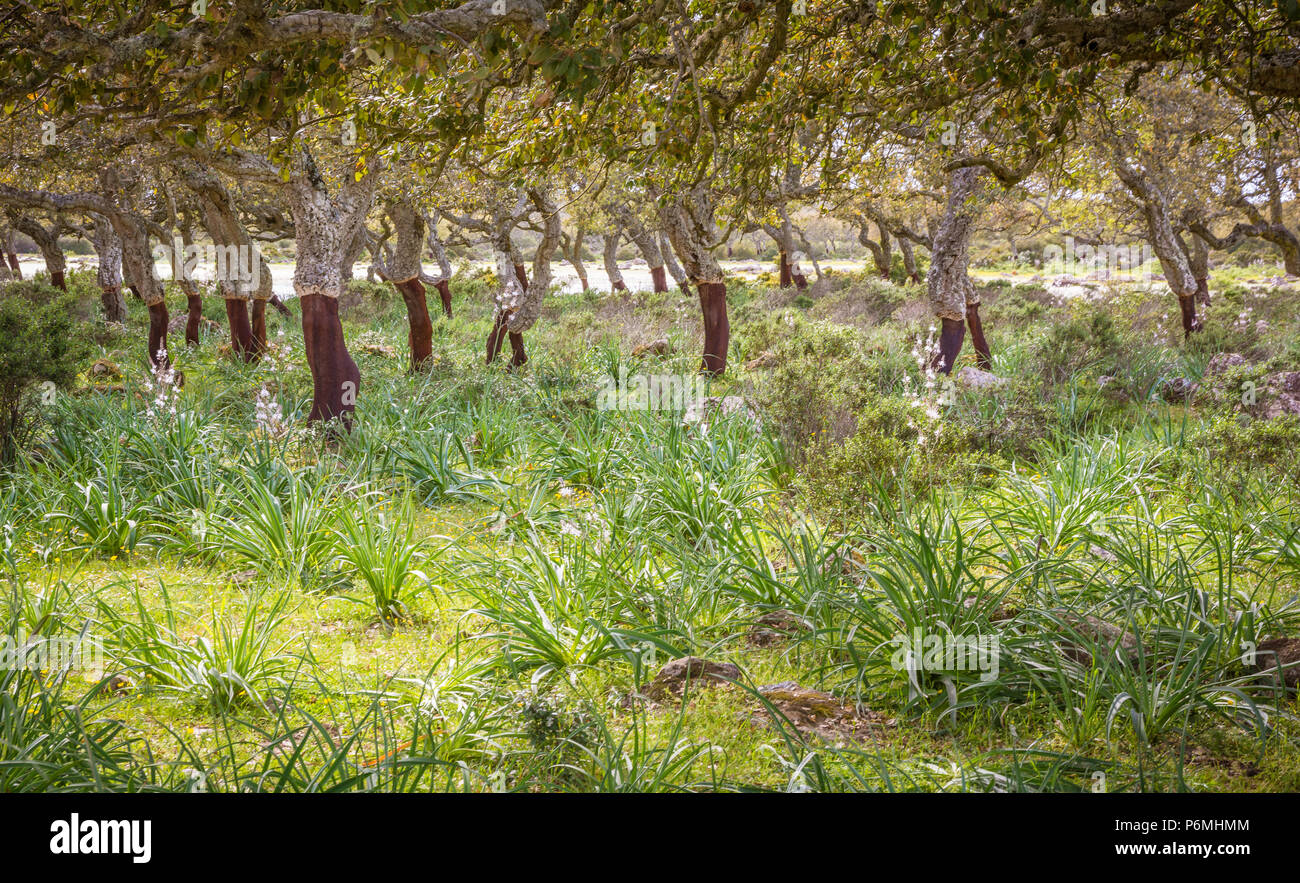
(530,305)
(610,254)
(437,249)
(688,222)
(636,231)
(408,243)
(326,226)
(949,287)
(1160,231)
(222,222)
(670,262)
(46,239)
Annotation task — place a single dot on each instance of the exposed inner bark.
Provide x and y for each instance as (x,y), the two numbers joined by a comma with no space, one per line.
(444,294)
(786,276)
(951,334)
(983,358)
(688,222)
(114,304)
(1187,309)
(796,274)
(335,378)
(404,271)
(243,343)
(420,337)
(194,315)
(257,324)
(717,329)
(158,354)
(660,278)
(498,335)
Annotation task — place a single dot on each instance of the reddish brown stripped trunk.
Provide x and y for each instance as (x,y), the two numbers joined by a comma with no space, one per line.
(335,377)
(717,330)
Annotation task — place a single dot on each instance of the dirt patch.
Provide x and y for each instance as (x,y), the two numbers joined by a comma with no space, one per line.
(815,713)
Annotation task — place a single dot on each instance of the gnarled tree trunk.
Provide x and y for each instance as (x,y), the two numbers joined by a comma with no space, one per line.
(48,243)
(645,241)
(108,248)
(952,296)
(1164,241)
(674,269)
(404,271)
(325,228)
(688,221)
(616,282)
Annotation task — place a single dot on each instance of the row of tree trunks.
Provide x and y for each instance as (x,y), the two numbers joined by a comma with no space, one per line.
(646,241)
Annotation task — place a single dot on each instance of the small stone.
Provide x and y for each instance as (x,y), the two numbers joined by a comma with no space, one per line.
(813,712)
(973,378)
(1281,653)
(674,677)
(660,347)
(776,627)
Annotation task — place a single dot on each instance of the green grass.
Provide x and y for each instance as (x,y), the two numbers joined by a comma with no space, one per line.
(461,595)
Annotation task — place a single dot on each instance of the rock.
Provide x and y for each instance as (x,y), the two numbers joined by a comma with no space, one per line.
(813,712)
(674,677)
(1221,362)
(765,359)
(1279,395)
(105,368)
(178,322)
(1283,653)
(1112,637)
(974,378)
(776,627)
(379,349)
(117,685)
(660,347)
(1177,389)
(702,411)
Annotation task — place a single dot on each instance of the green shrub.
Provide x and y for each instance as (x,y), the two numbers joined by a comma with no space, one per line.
(1078,344)
(40,350)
